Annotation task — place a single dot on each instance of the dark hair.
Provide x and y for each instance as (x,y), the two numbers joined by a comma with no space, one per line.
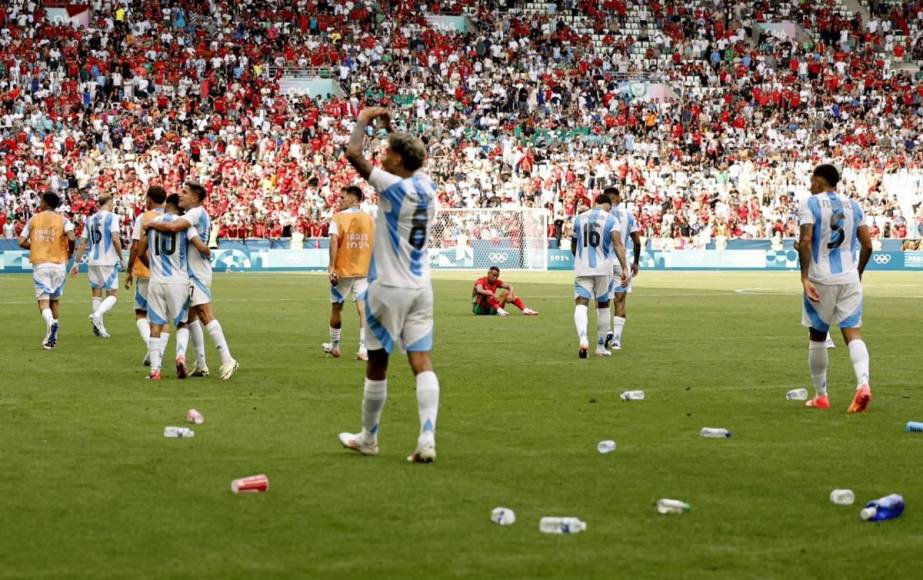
(411,150)
(602,198)
(173,199)
(610,191)
(828,173)
(51,199)
(494,268)
(354,191)
(197,189)
(157,194)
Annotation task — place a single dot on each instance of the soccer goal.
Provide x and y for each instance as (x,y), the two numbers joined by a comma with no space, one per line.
(476,239)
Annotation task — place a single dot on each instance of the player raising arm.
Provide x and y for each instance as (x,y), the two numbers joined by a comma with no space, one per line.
(399,299)
(832,232)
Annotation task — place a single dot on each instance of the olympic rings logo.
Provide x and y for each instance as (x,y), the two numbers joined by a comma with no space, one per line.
(498,258)
(882,258)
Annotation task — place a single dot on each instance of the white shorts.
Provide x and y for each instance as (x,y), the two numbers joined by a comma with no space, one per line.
(141,293)
(201,292)
(167,303)
(617,288)
(340,290)
(592,287)
(103,277)
(49,281)
(839,305)
(403,314)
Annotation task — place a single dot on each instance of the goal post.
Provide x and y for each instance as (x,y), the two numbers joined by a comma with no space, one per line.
(476,239)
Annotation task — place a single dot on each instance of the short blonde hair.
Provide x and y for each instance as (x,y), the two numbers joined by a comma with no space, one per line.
(411,150)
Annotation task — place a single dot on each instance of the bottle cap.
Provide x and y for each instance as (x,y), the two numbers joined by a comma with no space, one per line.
(868,513)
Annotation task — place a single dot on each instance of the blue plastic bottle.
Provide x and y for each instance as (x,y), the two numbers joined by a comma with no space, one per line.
(886,508)
(915,426)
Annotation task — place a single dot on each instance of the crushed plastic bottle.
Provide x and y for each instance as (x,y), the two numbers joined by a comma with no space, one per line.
(915,426)
(797,395)
(714,433)
(885,508)
(607,446)
(632,396)
(672,506)
(557,525)
(503,516)
(178,432)
(842,496)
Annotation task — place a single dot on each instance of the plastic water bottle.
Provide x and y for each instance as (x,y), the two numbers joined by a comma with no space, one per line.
(714,433)
(915,426)
(632,396)
(178,432)
(556,525)
(797,395)
(672,506)
(885,508)
(842,496)
(607,446)
(503,516)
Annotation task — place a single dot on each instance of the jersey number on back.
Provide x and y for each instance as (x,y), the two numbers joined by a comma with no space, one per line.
(837,235)
(96,235)
(164,244)
(418,229)
(591,236)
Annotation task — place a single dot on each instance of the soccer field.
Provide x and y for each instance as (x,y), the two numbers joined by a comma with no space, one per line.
(91,488)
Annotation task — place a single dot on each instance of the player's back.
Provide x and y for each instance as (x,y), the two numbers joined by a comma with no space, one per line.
(355,230)
(167,254)
(47,238)
(101,229)
(200,267)
(406,208)
(835,241)
(593,236)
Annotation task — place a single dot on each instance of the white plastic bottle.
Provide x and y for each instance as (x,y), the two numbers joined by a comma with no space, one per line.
(797,395)
(558,525)
(714,433)
(632,396)
(672,506)
(842,496)
(607,446)
(178,432)
(503,516)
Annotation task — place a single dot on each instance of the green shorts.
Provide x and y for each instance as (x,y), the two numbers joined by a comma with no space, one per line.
(479,310)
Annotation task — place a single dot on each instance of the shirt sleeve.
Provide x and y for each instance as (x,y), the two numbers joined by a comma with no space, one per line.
(805,214)
(192,233)
(27,229)
(333,230)
(382,180)
(192,216)
(858,213)
(84,234)
(136,229)
(114,226)
(632,224)
(69,226)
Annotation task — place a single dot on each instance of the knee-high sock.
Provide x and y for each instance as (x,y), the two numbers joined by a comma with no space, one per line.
(618,325)
(373,401)
(427,403)
(817,362)
(182,341)
(335,336)
(580,321)
(859,354)
(48,317)
(217,334)
(198,342)
(518,303)
(106,305)
(602,324)
(361,337)
(144,329)
(155,352)
(96,302)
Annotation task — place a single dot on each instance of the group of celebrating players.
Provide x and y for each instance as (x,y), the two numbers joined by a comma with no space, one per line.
(384,265)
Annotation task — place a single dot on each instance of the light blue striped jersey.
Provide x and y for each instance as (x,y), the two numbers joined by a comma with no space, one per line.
(100,231)
(593,236)
(200,267)
(835,242)
(627,226)
(167,254)
(406,208)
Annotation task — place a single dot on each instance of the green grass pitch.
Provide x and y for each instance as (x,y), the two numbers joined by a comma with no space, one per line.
(91,489)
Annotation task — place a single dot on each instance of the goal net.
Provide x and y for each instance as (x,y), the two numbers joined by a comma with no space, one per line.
(476,239)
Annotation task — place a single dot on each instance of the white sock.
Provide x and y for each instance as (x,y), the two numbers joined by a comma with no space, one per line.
(373,401)
(106,306)
(214,330)
(362,338)
(144,329)
(182,341)
(618,325)
(859,354)
(198,342)
(155,352)
(817,362)
(335,336)
(427,404)
(48,316)
(580,320)
(602,325)
(96,302)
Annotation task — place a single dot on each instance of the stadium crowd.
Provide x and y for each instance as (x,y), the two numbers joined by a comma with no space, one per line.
(538,107)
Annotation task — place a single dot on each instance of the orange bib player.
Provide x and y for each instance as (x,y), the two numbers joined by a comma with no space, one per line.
(490,294)
(49,237)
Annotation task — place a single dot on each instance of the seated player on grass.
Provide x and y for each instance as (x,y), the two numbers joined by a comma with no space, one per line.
(491,294)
